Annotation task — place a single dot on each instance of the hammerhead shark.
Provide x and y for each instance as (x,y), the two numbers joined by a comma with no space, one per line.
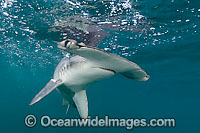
(75,74)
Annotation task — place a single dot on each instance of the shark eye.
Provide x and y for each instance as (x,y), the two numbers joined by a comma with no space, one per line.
(66,42)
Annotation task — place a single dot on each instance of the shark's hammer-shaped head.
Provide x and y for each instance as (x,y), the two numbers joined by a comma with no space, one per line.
(69,44)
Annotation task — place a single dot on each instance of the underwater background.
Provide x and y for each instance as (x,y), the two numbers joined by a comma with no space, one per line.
(162,36)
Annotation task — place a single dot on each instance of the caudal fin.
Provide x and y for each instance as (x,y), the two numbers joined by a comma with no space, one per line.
(50,86)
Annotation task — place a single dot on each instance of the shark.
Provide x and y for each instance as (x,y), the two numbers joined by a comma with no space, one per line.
(73,75)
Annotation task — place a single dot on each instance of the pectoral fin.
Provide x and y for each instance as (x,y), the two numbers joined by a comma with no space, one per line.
(50,86)
(81,102)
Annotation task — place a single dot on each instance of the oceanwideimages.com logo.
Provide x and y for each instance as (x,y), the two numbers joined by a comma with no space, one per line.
(130,123)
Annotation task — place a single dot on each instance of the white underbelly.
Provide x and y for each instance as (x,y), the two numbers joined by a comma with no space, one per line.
(81,75)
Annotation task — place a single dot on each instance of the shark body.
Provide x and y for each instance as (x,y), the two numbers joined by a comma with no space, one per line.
(74,75)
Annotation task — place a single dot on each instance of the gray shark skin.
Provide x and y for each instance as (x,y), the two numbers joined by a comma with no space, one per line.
(74,75)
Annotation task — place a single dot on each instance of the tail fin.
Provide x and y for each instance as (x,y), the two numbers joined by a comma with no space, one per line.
(50,86)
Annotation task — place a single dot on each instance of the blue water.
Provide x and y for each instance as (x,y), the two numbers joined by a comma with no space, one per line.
(163,37)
